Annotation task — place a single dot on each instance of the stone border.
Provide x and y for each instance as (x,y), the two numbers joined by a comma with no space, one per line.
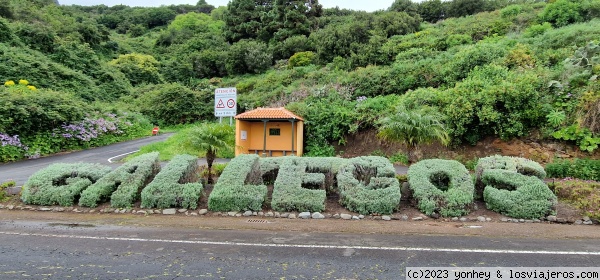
(291,215)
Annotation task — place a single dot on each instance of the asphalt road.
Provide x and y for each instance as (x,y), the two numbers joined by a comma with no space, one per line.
(21,170)
(44,250)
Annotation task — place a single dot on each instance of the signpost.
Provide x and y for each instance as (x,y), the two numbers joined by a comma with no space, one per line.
(225,103)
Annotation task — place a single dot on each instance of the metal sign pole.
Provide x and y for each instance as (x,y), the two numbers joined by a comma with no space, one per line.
(220,119)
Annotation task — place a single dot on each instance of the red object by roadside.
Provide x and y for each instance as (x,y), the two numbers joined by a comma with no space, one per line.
(155,130)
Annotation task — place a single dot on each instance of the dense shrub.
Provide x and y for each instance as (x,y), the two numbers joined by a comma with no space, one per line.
(123,185)
(586,169)
(240,187)
(175,104)
(368,185)
(516,195)
(585,195)
(301,59)
(297,190)
(175,186)
(562,12)
(441,186)
(61,183)
(513,164)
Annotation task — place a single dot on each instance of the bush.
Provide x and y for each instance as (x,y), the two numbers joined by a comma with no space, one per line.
(175,186)
(302,59)
(561,13)
(586,169)
(296,190)
(517,195)
(513,164)
(441,186)
(368,185)
(175,104)
(61,183)
(585,195)
(122,185)
(240,186)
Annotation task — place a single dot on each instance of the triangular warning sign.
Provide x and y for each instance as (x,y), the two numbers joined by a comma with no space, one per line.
(220,104)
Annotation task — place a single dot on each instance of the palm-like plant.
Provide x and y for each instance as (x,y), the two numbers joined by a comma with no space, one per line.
(413,128)
(211,138)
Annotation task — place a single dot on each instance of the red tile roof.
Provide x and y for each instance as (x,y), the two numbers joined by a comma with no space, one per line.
(268,113)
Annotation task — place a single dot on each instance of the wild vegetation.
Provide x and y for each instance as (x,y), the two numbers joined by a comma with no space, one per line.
(489,68)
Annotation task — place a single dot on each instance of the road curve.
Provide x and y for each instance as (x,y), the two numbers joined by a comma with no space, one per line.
(21,170)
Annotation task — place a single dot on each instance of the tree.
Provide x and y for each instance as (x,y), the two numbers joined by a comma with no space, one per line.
(431,10)
(243,19)
(212,138)
(406,6)
(413,128)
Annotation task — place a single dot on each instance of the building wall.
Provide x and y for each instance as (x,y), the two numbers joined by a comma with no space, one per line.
(275,144)
(241,146)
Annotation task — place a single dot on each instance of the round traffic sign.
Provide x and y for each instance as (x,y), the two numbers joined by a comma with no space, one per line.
(230,103)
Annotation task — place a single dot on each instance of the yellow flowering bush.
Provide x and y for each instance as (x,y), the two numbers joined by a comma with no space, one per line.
(23,82)
(31,87)
(9,83)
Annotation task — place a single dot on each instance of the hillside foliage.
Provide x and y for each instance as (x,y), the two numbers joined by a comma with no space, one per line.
(489,67)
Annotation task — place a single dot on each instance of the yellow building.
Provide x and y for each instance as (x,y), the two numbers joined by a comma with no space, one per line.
(269,132)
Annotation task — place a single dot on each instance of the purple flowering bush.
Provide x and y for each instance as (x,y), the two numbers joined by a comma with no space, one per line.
(100,129)
(11,148)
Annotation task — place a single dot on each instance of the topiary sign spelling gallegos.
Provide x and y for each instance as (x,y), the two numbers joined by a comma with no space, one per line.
(365,185)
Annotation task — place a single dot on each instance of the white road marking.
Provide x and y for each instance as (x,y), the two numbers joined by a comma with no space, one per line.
(110,159)
(418,249)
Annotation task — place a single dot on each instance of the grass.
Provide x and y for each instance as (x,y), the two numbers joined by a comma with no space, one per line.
(177,144)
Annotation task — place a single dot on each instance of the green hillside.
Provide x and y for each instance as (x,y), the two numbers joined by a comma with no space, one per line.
(77,76)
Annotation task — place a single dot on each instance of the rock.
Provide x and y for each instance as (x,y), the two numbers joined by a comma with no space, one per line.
(435,215)
(108,210)
(488,219)
(202,211)
(291,216)
(551,218)
(588,222)
(528,221)
(318,215)
(481,219)
(123,211)
(578,222)
(561,220)
(194,214)
(361,216)
(404,217)
(156,211)
(515,220)
(386,218)
(77,210)
(454,219)
(1,206)
(463,219)
(355,218)
(277,215)
(346,216)
(93,211)
(304,215)
(475,207)
(181,210)
(231,214)
(11,207)
(328,215)
(45,209)
(238,214)
(269,214)
(521,220)
(504,220)
(586,218)
(116,211)
(247,213)
(376,217)
(536,220)
(417,218)
(257,213)
(170,211)
(336,216)
(285,215)
(141,212)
